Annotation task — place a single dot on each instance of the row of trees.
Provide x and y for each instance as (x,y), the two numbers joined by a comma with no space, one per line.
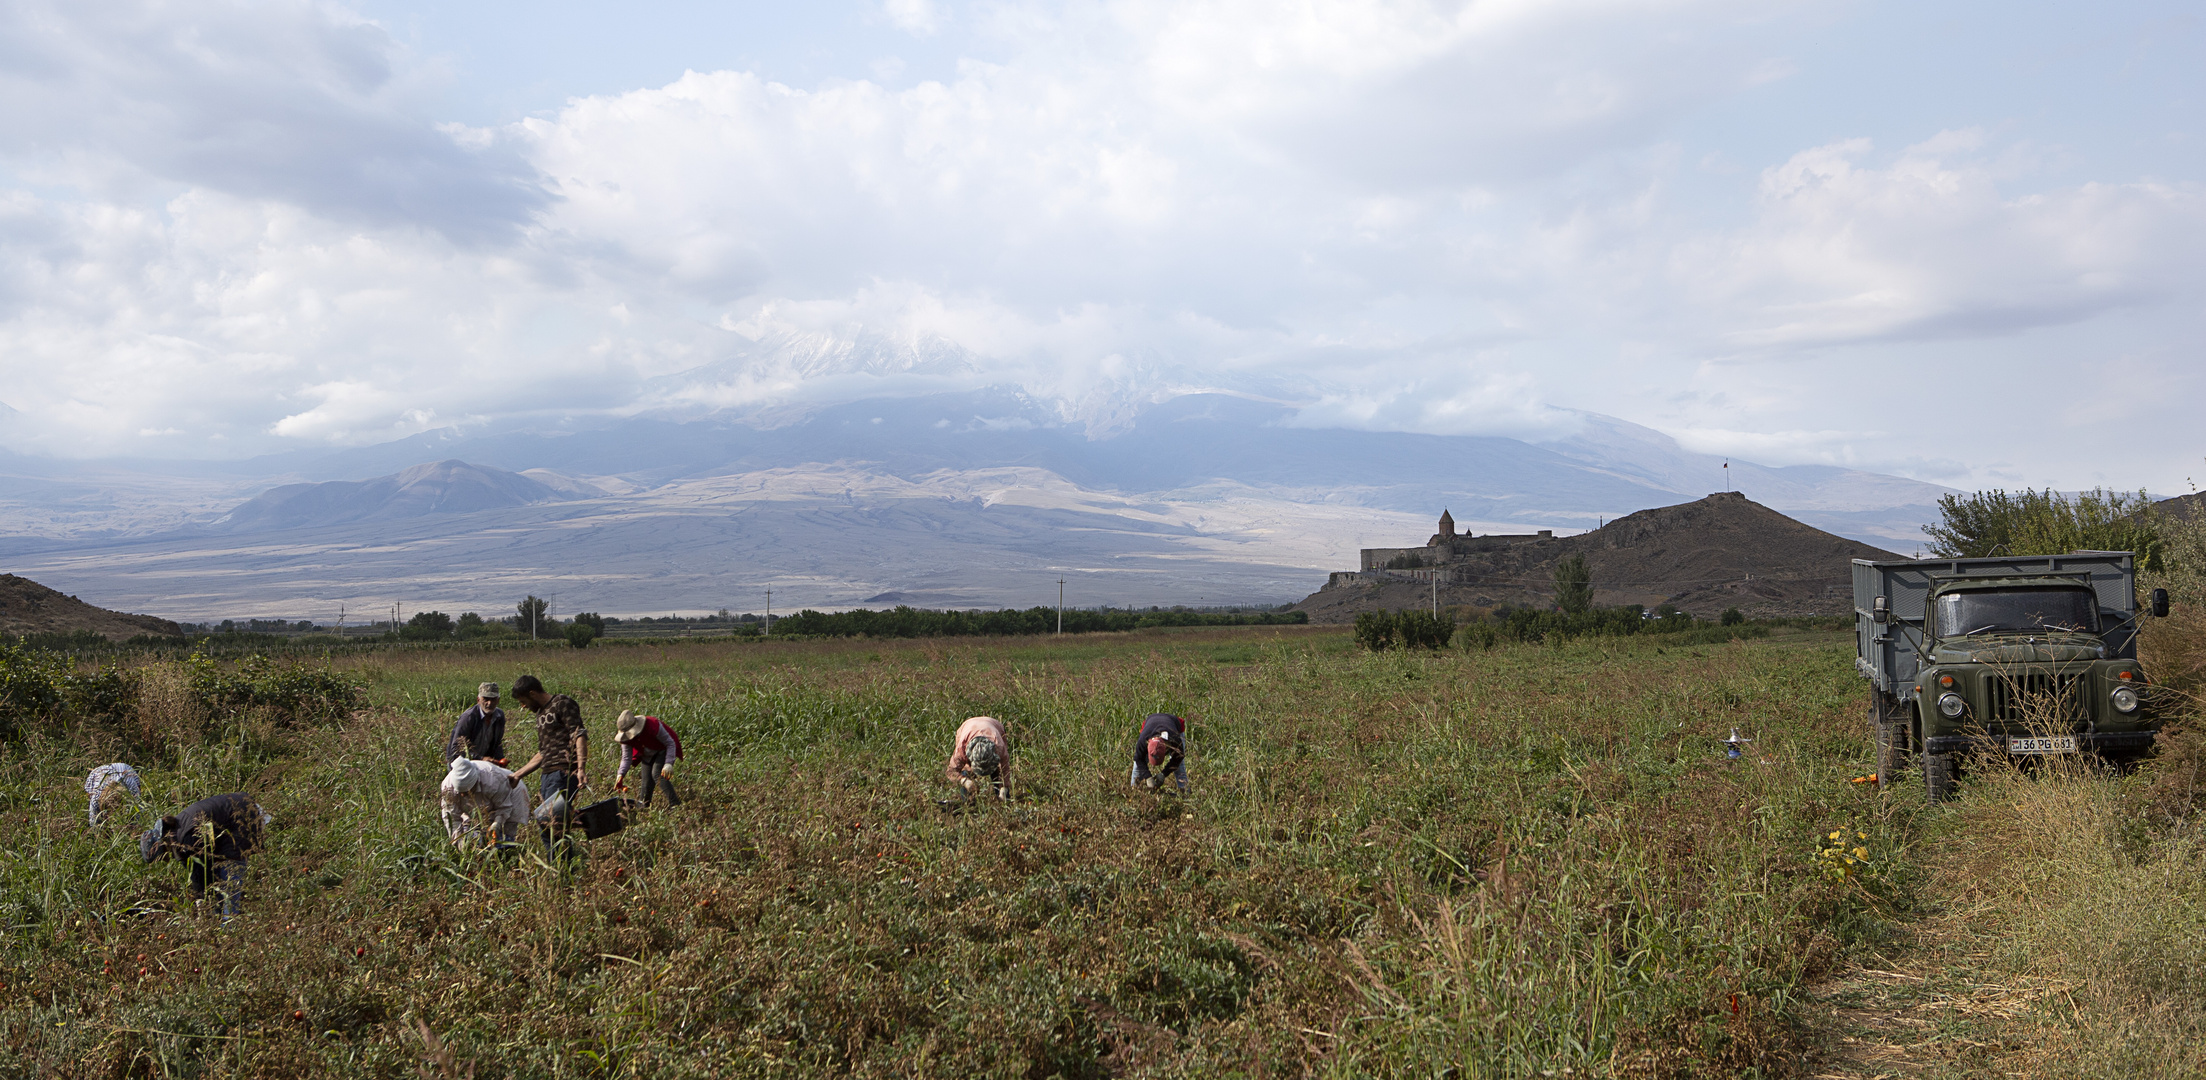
(910,622)
(530,620)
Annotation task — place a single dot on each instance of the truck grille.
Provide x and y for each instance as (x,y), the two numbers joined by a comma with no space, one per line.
(2036,695)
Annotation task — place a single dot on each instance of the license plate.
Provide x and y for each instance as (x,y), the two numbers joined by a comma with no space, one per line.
(2043,744)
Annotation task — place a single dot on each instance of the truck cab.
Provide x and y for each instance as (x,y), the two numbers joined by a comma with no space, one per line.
(2029,656)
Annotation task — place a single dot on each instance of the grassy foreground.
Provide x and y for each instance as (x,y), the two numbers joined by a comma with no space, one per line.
(1529,860)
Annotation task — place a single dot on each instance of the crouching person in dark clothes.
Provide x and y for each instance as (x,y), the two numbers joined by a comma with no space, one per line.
(648,745)
(213,837)
(1160,749)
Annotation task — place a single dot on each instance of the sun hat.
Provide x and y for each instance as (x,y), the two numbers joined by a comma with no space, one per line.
(628,726)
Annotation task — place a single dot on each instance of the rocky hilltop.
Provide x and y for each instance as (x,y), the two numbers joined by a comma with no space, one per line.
(1719,552)
(27,607)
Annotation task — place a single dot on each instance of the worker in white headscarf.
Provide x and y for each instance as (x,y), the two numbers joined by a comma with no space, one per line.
(108,787)
(481,802)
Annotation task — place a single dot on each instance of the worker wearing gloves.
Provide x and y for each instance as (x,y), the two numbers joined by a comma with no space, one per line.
(982,754)
(646,742)
(1161,748)
(214,837)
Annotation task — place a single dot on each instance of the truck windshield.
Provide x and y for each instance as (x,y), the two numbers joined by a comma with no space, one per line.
(1970,612)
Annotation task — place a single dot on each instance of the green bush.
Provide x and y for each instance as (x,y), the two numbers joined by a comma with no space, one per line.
(1381,630)
(580,634)
(30,686)
(291,693)
(1375,630)
(1733,616)
(104,696)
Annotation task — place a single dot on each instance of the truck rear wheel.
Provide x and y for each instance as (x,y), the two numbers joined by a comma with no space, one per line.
(1939,771)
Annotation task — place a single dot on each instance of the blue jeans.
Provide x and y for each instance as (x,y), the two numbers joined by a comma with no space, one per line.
(1178,771)
(226,876)
(556,783)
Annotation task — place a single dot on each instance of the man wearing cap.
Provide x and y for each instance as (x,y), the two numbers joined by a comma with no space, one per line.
(562,745)
(647,742)
(1160,748)
(481,732)
(212,836)
(982,752)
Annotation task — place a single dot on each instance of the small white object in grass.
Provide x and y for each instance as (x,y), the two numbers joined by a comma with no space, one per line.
(1189,817)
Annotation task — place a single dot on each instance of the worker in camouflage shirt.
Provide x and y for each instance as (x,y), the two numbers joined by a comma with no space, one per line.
(562,746)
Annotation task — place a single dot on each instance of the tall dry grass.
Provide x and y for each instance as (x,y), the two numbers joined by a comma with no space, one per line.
(2083,887)
(1473,863)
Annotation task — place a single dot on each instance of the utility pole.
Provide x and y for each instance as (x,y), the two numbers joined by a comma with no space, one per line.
(1436,592)
(340,620)
(1060,605)
(769,610)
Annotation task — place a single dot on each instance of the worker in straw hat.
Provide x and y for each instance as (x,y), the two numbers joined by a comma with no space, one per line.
(646,742)
(982,754)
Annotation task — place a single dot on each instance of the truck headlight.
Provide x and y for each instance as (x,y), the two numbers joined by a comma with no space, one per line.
(1951,705)
(2125,699)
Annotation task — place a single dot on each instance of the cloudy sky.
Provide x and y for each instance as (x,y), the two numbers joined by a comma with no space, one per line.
(1962,242)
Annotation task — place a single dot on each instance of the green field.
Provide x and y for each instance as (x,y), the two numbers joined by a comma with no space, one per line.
(1520,861)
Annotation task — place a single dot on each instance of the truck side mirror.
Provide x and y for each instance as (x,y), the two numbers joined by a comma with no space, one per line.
(1880,610)
(2160,603)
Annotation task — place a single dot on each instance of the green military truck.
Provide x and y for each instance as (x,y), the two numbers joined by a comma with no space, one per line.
(2022,655)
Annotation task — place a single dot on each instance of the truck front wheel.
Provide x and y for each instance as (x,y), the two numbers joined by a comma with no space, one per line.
(1939,771)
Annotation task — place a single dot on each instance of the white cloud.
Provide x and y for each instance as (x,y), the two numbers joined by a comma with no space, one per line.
(241,223)
(920,17)
(1932,246)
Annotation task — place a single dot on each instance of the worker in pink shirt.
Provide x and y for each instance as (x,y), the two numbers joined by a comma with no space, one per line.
(983,753)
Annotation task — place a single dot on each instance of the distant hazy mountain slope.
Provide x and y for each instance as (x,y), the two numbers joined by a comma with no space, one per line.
(444,487)
(1608,469)
(820,536)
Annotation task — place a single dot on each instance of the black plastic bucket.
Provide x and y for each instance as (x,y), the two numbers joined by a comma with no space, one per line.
(604,818)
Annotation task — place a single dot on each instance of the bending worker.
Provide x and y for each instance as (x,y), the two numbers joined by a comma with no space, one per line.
(481,802)
(1161,748)
(646,742)
(983,752)
(212,836)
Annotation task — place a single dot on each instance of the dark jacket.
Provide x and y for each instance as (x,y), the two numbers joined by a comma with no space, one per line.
(478,736)
(1158,724)
(225,828)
